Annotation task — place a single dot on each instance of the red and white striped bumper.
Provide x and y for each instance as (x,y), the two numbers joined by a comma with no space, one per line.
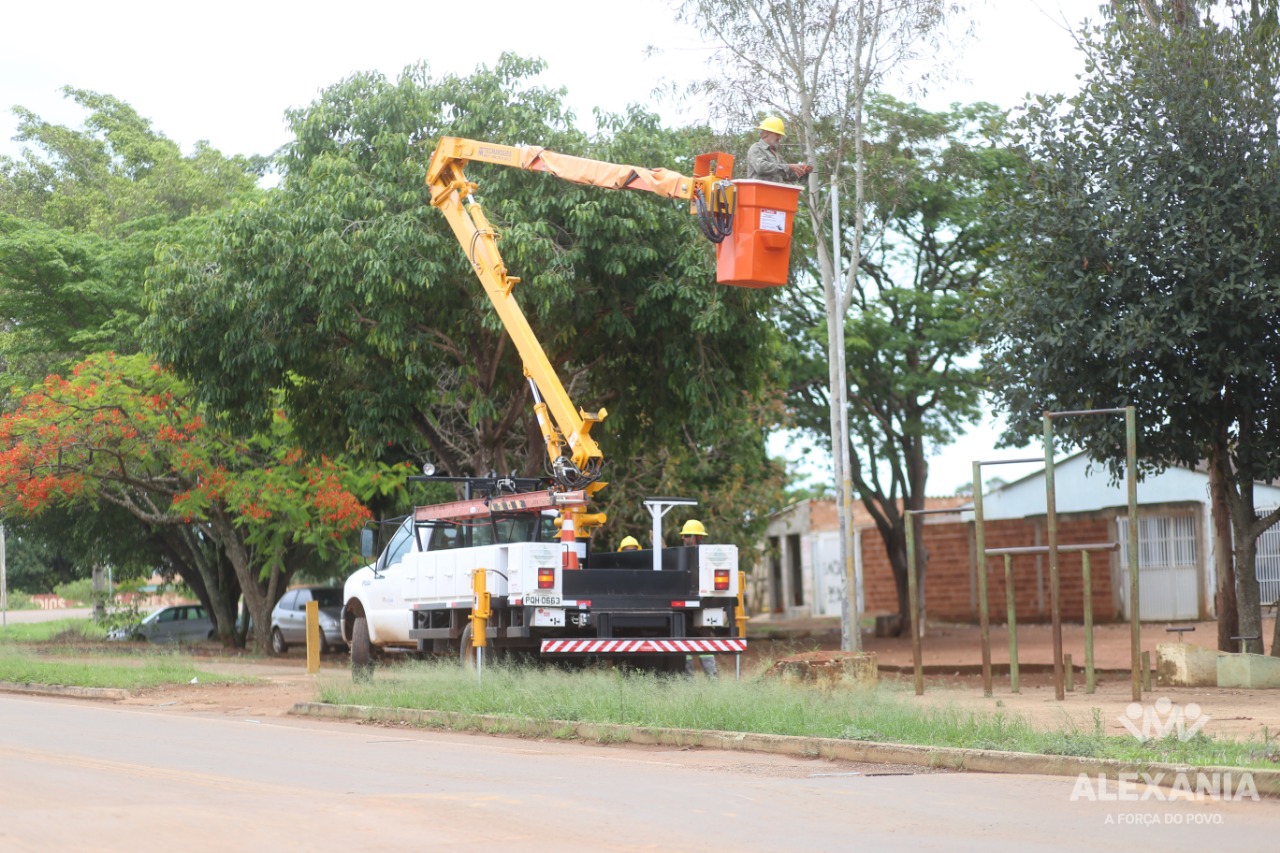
(631,647)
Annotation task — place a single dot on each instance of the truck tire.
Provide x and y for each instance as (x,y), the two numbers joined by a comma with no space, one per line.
(361,651)
(466,654)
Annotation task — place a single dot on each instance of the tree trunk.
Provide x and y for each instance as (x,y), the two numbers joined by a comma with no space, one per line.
(260,595)
(1223,559)
(1247,594)
(1275,633)
(1245,526)
(1244,523)
(213,583)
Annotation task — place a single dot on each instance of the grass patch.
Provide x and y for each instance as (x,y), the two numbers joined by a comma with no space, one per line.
(762,706)
(80,630)
(137,672)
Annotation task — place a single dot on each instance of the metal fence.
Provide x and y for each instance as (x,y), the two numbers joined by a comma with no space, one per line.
(1168,556)
(1267,562)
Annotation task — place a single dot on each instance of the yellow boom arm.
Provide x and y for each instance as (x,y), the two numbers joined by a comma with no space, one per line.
(563,426)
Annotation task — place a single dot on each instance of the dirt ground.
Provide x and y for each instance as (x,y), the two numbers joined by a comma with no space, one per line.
(952,656)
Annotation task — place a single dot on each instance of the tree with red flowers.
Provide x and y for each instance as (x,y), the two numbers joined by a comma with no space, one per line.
(125,431)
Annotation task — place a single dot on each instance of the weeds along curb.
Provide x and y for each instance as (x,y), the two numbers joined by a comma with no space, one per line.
(58,690)
(1267,782)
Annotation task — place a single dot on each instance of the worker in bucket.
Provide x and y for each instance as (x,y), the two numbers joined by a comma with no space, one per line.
(629,543)
(691,535)
(764,163)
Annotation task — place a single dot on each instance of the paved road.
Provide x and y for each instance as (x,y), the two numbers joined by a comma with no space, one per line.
(19,617)
(91,776)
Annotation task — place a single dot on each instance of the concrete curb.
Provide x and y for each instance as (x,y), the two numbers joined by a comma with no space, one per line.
(1267,782)
(58,690)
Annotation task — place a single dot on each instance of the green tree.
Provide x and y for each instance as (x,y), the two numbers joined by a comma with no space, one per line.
(81,212)
(114,171)
(64,294)
(80,215)
(64,544)
(814,63)
(912,383)
(1142,259)
(125,432)
(345,289)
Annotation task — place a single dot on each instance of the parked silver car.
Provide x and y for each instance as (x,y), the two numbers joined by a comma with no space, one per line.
(179,623)
(289,618)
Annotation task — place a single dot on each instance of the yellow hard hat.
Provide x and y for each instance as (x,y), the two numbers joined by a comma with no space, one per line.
(629,543)
(773,124)
(693,527)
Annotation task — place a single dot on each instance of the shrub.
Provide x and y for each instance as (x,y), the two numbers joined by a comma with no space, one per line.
(19,600)
(77,591)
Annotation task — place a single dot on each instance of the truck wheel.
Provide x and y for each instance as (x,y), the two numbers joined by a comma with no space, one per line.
(466,654)
(493,654)
(278,645)
(361,651)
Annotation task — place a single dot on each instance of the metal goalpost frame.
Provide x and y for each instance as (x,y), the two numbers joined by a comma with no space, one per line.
(913,587)
(1131,477)
(982,552)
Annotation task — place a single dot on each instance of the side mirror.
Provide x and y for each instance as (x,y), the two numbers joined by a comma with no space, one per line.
(366,543)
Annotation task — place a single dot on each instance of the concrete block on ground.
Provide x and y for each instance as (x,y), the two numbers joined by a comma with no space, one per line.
(828,669)
(1185,665)
(1255,671)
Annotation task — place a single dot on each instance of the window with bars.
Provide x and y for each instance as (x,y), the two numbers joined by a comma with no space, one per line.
(1169,559)
(1164,541)
(1267,562)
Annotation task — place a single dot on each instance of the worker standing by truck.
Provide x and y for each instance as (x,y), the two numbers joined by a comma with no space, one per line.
(764,163)
(691,536)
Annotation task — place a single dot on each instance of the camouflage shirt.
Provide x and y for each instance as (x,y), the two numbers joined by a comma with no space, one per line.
(765,164)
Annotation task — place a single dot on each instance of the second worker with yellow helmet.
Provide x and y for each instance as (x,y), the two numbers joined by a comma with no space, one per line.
(691,535)
(764,163)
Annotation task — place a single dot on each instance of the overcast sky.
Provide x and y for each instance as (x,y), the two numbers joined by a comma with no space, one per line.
(226,72)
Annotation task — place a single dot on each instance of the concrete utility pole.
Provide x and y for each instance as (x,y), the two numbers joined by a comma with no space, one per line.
(99,594)
(4,584)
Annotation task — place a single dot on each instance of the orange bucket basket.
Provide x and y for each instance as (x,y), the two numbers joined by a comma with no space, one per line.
(758,252)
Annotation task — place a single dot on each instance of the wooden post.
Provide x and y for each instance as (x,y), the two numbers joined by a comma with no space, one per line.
(1135,620)
(913,605)
(313,636)
(1055,602)
(1089,681)
(981,554)
(1011,605)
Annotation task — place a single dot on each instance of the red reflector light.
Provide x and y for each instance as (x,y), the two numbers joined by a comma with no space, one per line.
(546,578)
(722,579)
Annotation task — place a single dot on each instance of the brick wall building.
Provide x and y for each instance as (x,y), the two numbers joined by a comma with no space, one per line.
(798,571)
(796,552)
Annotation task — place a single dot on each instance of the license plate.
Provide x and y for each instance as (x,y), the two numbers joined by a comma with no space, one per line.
(542,600)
